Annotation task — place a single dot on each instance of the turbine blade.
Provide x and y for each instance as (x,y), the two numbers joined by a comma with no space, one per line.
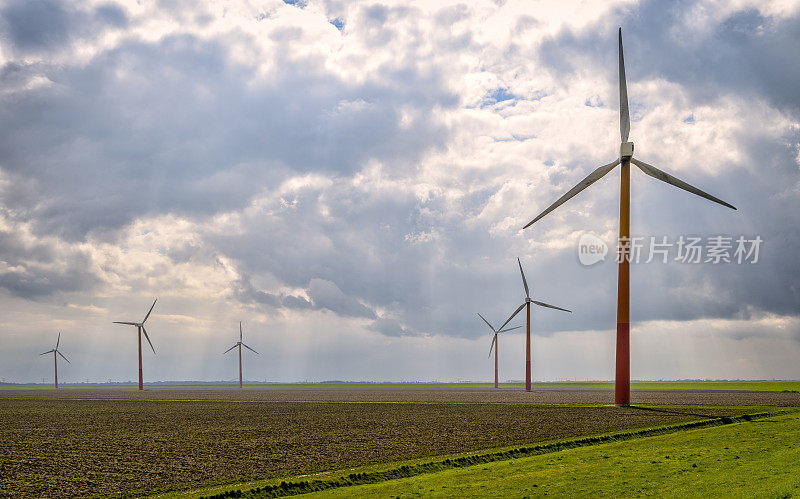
(127,323)
(49,351)
(494,340)
(231,348)
(583,184)
(624,116)
(147,338)
(512,315)
(509,329)
(58,340)
(666,177)
(542,304)
(62,356)
(524,282)
(151,309)
(487,322)
(240,330)
(247,347)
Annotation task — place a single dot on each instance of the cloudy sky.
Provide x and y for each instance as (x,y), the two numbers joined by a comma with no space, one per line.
(350,180)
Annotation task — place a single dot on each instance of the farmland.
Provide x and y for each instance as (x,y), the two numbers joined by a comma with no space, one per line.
(68,447)
(414,394)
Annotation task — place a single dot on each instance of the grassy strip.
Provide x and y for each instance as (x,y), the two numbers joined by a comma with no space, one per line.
(306,486)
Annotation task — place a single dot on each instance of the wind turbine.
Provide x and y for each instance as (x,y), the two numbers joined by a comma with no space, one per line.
(527,304)
(140,328)
(56,353)
(495,345)
(622,389)
(240,344)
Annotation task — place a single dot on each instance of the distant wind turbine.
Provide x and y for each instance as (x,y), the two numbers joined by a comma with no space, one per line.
(240,344)
(495,345)
(622,389)
(56,353)
(527,304)
(140,328)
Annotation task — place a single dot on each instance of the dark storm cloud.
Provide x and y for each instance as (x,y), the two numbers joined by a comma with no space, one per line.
(37,269)
(747,53)
(31,26)
(365,247)
(327,295)
(247,293)
(324,294)
(176,127)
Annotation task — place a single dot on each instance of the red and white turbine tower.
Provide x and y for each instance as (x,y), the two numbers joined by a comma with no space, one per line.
(527,305)
(496,345)
(56,353)
(140,329)
(622,380)
(240,344)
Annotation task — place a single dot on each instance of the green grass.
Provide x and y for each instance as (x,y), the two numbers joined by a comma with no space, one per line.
(760,458)
(772,386)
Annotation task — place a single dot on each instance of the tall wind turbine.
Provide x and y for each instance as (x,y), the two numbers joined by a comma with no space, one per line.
(240,344)
(56,353)
(622,389)
(527,304)
(140,329)
(495,345)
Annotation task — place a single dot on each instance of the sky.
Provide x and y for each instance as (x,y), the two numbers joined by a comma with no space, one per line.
(350,180)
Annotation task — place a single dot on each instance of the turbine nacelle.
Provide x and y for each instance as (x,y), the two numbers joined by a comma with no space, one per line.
(626,151)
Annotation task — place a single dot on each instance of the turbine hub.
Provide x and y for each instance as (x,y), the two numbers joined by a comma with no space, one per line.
(626,150)
(528,300)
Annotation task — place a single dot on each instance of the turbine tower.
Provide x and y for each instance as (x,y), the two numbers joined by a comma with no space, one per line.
(495,345)
(622,388)
(140,329)
(56,353)
(527,304)
(240,344)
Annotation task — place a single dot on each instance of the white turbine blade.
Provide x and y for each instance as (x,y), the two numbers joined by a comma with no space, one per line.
(666,177)
(542,304)
(509,329)
(247,347)
(147,338)
(494,340)
(151,309)
(127,323)
(240,330)
(624,115)
(487,322)
(45,353)
(58,340)
(524,282)
(512,315)
(62,356)
(583,184)
(231,348)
